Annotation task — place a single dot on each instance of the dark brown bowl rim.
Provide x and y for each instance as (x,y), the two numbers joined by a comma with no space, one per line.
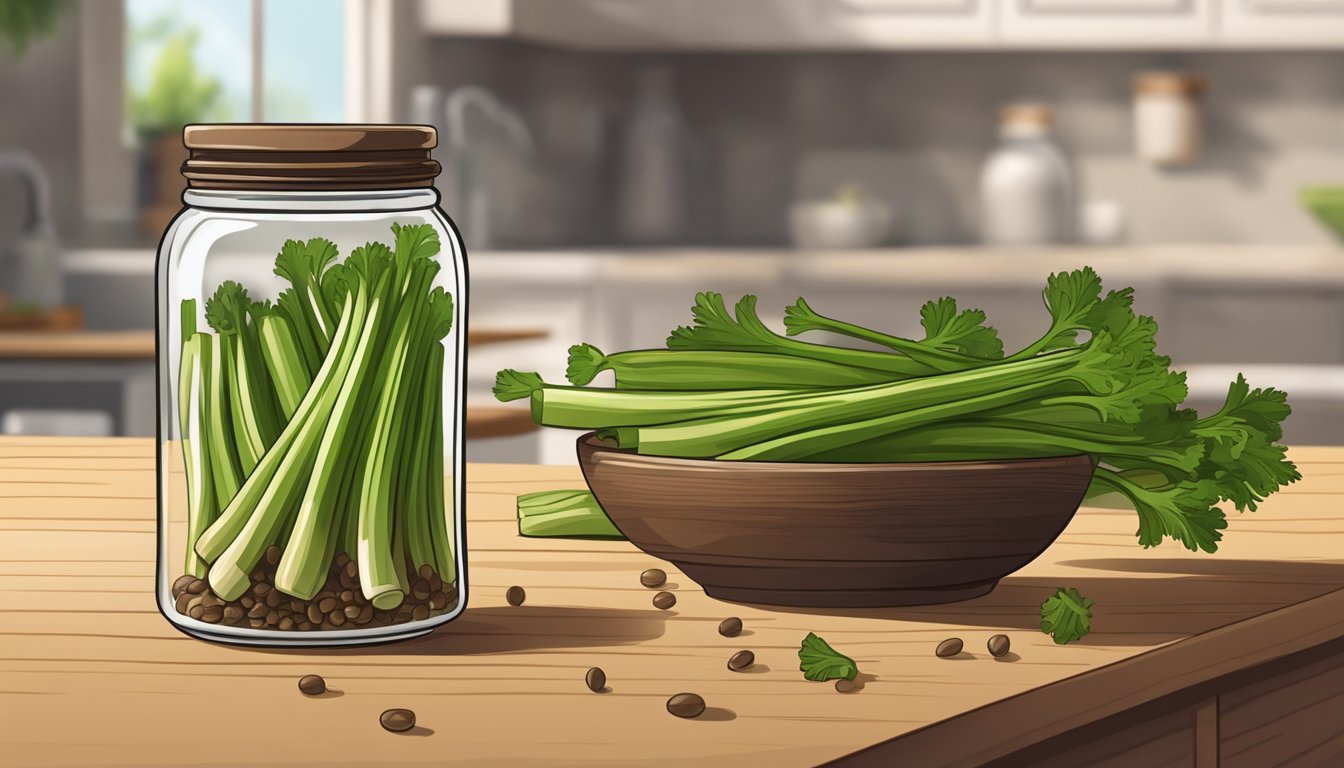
(591,440)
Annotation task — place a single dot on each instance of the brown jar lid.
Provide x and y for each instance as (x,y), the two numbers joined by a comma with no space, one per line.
(1170,83)
(309,156)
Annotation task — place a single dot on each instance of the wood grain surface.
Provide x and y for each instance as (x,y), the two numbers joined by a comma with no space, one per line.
(90,345)
(91,674)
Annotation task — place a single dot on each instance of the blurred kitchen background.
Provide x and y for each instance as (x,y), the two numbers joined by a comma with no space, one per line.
(606,159)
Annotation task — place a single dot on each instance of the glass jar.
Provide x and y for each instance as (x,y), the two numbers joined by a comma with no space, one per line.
(310,299)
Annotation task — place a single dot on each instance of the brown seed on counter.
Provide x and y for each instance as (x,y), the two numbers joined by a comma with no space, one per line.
(741,660)
(397,720)
(730,627)
(998,646)
(272,555)
(686,705)
(654,577)
(181,585)
(312,685)
(845,686)
(515,595)
(948,648)
(664,600)
(596,679)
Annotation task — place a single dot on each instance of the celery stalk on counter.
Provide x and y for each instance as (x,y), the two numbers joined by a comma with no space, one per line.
(564,514)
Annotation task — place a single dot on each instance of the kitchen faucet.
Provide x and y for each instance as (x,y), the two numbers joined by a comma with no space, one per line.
(471,202)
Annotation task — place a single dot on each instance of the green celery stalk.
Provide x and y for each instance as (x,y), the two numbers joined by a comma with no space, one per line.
(286,363)
(439,502)
(801,317)
(664,369)
(380,561)
(225,471)
(192,394)
(412,495)
(991,438)
(289,306)
(426,526)
(592,408)
(715,328)
(811,442)
(317,530)
(256,515)
(302,264)
(717,436)
(252,405)
(564,514)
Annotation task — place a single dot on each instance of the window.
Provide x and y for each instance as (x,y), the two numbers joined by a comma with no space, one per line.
(150,66)
(232,61)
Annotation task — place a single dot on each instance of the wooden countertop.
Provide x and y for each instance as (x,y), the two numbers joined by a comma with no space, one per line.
(91,673)
(77,345)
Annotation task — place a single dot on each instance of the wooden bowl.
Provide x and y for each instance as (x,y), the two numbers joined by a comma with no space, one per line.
(837,535)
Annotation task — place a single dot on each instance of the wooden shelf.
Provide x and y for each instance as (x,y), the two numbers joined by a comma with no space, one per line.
(59,345)
(489,421)
(477,337)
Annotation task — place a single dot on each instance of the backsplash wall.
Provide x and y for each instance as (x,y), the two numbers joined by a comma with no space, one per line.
(912,127)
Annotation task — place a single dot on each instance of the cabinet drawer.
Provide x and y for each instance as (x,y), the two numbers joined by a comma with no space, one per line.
(1282,23)
(903,23)
(1290,720)
(1102,23)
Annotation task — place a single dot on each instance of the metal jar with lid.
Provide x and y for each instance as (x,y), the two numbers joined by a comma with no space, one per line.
(311,299)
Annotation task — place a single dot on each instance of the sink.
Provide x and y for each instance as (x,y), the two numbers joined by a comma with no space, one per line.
(115,288)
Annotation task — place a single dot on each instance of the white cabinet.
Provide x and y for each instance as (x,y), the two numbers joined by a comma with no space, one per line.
(1106,23)
(720,25)
(1282,23)
(902,23)
(896,24)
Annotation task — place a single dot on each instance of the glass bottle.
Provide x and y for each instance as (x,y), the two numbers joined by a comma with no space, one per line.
(310,299)
(1027,189)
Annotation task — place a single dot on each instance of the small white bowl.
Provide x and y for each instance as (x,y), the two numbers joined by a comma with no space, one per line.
(841,224)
